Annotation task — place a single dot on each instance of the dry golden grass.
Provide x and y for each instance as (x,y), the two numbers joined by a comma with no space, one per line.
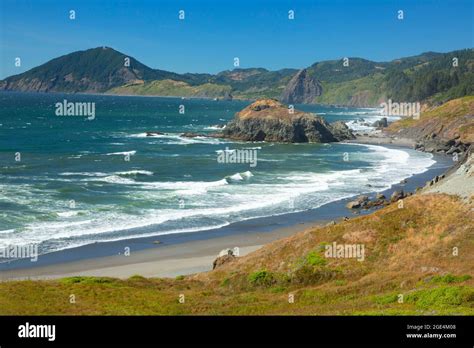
(455,117)
(269,108)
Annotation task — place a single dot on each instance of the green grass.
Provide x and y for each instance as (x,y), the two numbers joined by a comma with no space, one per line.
(174,88)
(449,278)
(88,280)
(442,297)
(262,278)
(366,90)
(315,259)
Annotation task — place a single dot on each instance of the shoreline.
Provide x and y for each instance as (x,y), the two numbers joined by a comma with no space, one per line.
(193,252)
(169,261)
(383,140)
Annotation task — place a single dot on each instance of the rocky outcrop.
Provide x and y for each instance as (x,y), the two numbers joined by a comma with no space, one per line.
(192,135)
(447,129)
(358,203)
(433,143)
(270,120)
(340,131)
(364,202)
(397,195)
(227,96)
(382,123)
(223,259)
(458,180)
(302,89)
(154,134)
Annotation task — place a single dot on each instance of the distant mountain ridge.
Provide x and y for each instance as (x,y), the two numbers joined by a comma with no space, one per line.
(429,77)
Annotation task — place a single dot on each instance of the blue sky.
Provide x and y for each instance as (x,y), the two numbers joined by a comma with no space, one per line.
(214,32)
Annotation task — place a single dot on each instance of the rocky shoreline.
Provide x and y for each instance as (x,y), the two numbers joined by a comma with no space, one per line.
(270,120)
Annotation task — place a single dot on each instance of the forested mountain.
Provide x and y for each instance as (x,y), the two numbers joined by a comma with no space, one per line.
(428,77)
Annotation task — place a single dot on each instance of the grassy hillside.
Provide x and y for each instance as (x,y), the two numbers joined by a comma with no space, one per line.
(455,117)
(363,91)
(240,83)
(173,88)
(409,268)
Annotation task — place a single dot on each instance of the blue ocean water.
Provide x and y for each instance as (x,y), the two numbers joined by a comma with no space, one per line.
(65,181)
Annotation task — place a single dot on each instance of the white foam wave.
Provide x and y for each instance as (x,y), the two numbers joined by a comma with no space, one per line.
(7,231)
(124,153)
(215,127)
(83,174)
(186,187)
(236,177)
(135,172)
(115,179)
(67,213)
(178,139)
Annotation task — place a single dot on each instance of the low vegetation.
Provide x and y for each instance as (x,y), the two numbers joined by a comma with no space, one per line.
(173,88)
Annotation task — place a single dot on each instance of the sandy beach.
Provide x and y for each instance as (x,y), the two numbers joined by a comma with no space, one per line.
(166,261)
(377,138)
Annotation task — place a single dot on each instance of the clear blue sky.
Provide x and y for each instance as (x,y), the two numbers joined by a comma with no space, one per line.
(214,32)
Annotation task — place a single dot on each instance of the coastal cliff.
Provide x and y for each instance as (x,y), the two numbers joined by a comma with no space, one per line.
(270,120)
(302,89)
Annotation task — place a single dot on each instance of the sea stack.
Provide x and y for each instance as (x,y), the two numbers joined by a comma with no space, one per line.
(270,120)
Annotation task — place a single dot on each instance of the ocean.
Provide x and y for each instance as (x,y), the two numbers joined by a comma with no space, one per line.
(68,181)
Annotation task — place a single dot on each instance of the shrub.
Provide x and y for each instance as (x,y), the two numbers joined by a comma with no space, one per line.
(312,275)
(261,278)
(340,282)
(225,282)
(314,259)
(87,280)
(278,289)
(136,277)
(449,278)
(386,299)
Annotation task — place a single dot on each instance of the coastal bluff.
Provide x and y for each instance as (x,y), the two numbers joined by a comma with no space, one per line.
(302,89)
(270,120)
